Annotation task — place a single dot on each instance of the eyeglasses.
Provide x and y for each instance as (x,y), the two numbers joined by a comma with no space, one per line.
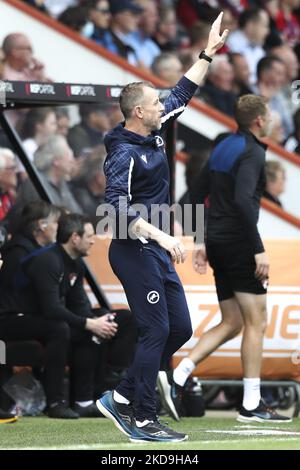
(104,11)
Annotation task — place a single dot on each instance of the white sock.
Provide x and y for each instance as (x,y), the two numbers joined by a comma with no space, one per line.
(183,370)
(120,399)
(84,404)
(140,424)
(251,393)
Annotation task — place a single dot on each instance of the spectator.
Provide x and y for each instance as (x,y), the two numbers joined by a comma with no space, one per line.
(217,90)
(39,124)
(275,181)
(99,15)
(293,142)
(250,37)
(276,132)
(140,40)
(125,17)
(63,121)
(241,71)
(55,292)
(199,36)
(168,67)
(287,22)
(20,63)
(271,76)
(55,162)
(91,130)
(8,181)
(37,228)
(2,62)
(286,54)
(166,34)
(89,186)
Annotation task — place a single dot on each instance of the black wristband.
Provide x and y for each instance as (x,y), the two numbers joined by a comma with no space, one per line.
(202,55)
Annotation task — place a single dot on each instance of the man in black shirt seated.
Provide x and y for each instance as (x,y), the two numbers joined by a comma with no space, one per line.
(37,229)
(55,291)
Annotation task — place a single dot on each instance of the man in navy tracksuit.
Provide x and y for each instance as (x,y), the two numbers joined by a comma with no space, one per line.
(137,172)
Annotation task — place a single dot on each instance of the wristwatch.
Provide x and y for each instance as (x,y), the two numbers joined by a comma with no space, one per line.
(202,55)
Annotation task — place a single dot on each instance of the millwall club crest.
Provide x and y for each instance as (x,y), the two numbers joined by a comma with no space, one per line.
(144,158)
(159,141)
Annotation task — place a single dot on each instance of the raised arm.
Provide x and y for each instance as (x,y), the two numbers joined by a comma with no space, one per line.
(185,89)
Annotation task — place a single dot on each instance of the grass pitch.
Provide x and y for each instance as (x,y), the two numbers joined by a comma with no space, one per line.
(208,433)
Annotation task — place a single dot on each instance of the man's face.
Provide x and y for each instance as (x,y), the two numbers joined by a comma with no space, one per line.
(49,228)
(172,71)
(279,183)
(8,175)
(151,109)
(84,244)
(22,50)
(66,162)
(259,29)
(241,70)
(223,76)
(49,126)
(127,21)
(278,74)
(63,125)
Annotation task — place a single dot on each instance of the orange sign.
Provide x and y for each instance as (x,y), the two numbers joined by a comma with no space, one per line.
(282,339)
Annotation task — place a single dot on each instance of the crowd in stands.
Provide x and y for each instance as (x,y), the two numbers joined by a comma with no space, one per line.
(165,36)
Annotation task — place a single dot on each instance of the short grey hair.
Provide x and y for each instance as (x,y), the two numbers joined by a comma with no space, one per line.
(46,153)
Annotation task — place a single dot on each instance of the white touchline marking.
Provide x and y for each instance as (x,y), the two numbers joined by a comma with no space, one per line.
(129,445)
(256,432)
(257,426)
(120,445)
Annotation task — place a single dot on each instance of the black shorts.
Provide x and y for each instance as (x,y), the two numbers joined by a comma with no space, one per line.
(234,269)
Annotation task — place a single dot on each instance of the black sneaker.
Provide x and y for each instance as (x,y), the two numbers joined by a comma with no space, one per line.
(61,411)
(261,414)
(170,393)
(154,431)
(6,417)
(90,411)
(120,414)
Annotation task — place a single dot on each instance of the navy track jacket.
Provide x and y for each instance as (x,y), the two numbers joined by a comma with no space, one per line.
(136,167)
(234,178)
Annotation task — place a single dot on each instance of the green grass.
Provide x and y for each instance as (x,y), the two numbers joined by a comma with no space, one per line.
(208,433)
